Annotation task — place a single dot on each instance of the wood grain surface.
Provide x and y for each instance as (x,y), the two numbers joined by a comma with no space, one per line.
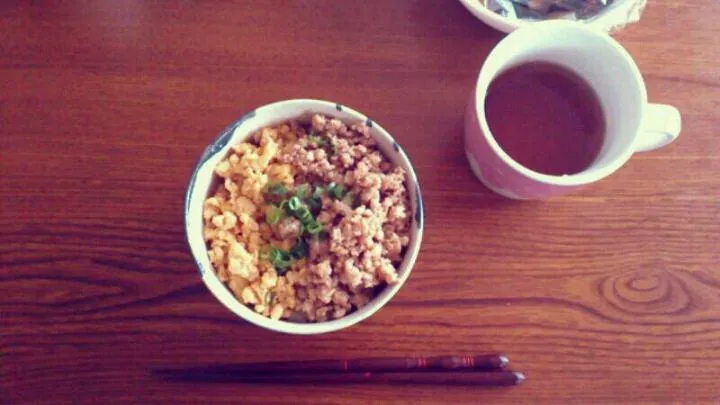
(607,296)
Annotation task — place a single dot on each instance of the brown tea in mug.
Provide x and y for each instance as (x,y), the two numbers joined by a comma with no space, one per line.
(546,117)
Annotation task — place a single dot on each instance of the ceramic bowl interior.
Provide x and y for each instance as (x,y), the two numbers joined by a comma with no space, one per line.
(203,180)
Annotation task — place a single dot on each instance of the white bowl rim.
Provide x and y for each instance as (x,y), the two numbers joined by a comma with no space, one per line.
(602,21)
(495,20)
(221,145)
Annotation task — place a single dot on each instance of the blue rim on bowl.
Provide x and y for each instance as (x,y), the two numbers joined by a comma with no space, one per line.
(201,181)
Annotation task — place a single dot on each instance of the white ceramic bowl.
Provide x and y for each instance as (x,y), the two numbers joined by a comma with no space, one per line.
(202,179)
(621,12)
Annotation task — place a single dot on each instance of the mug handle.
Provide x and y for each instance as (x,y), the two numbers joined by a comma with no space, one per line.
(660,126)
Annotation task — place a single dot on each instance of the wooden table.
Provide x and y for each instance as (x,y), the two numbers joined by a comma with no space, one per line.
(608,296)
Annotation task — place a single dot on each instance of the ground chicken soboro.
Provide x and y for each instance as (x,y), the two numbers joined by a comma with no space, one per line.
(308,221)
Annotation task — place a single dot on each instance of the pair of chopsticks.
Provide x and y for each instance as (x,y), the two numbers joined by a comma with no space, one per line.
(481,370)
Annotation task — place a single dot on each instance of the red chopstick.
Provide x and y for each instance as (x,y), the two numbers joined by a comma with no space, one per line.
(439,363)
(484,378)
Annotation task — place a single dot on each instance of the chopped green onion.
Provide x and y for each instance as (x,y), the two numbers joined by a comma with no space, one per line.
(314,228)
(349,199)
(300,249)
(301,191)
(294,204)
(304,215)
(336,191)
(275,255)
(280,259)
(340,192)
(317,193)
(317,140)
(274,215)
(314,203)
(284,205)
(308,219)
(277,189)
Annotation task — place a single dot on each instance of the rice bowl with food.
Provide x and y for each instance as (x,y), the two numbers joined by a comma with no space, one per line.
(307,221)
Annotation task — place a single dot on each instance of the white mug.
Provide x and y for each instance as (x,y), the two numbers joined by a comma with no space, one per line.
(632,125)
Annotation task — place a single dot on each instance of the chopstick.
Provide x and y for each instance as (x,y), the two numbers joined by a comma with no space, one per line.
(439,363)
(487,379)
(479,370)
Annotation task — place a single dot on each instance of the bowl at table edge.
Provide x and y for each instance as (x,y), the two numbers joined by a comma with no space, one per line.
(202,179)
(607,20)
